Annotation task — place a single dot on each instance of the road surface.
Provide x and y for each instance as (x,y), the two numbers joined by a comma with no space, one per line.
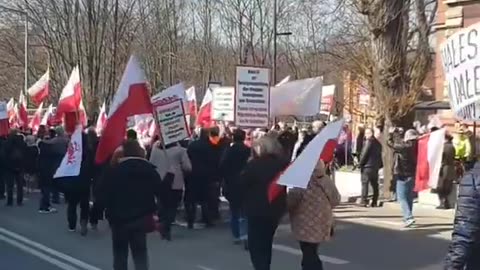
(364,240)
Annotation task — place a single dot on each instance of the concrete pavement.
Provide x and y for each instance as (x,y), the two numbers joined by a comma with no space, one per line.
(365,240)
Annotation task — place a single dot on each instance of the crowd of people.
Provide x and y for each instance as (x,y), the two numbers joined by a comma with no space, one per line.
(141,187)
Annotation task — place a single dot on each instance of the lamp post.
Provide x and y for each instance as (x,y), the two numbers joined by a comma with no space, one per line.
(275,35)
(23,13)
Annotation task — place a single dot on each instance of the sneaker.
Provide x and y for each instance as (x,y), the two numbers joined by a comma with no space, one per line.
(410,223)
(71,230)
(94,226)
(50,210)
(83,228)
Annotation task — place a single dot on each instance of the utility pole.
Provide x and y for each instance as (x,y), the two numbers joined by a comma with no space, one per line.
(275,35)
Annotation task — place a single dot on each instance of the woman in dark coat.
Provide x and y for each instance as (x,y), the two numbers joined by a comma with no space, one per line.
(263,211)
(447,173)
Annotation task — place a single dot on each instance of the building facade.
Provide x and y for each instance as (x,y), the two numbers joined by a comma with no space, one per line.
(452,15)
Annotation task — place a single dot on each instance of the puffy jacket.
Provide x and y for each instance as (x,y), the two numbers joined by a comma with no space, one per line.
(464,250)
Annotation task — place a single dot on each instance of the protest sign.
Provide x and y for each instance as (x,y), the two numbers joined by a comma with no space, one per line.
(461,64)
(223,104)
(172,122)
(328,93)
(252,96)
(174,92)
(3,110)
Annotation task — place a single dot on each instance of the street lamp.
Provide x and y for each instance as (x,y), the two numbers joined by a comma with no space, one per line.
(24,13)
(275,35)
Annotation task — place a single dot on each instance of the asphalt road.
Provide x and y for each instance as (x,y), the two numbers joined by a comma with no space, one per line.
(29,240)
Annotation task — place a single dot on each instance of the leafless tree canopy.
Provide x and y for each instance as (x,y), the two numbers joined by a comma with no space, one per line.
(201,40)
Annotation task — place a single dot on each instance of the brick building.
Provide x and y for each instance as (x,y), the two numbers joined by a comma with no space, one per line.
(452,15)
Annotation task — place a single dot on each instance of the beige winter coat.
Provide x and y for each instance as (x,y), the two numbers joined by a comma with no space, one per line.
(311,209)
(174,160)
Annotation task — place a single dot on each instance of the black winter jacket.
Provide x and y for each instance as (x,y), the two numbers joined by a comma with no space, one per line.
(371,156)
(464,250)
(232,163)
(404,157)
(128,191)
(255,182)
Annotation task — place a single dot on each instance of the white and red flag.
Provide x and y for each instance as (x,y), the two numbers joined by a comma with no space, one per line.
(429,160)
(22,111)
(36,119)
(40,90)
(204,116)
(191,96)
(300,170)
(47,115)
(82,114)
(71,96)
(102,119)
(4,124)
(11,108)
(132,98)
(72,161)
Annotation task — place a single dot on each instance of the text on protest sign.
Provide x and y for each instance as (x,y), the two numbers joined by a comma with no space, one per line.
(252,97)
(461,64)
(223,104)
(171,118)
(3,110)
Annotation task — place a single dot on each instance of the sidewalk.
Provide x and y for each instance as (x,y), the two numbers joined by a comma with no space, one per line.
(433,222)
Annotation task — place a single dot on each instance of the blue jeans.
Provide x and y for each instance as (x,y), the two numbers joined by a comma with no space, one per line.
(405,187)
(238,223)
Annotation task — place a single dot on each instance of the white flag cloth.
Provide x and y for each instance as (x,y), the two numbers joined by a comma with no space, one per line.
(321,147)
(299,98)
(72,161)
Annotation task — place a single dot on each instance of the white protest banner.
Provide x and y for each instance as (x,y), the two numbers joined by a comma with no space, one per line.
(3,110)
(223,104)
(72,161)
(298,98)
(461,64)
(174,92)
(252,96)
(328,93)
(172,122)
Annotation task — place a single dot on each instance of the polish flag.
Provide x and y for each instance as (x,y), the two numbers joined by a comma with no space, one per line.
(4,124)
(131,98)
(191,101)
(102,119)
(36,119)
(11,108)
(22,111)
(46,116)
(300,170)
(285,80)
(82,114)
(204,116)
(39,91)
(71,96)
(429,160)
(13,119)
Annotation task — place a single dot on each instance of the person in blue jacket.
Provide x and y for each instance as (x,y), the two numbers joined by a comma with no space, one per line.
(464,250)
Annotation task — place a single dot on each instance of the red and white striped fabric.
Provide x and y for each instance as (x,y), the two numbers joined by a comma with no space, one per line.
(102,119)
(46,116)
(132,98)
(429,160)
(39,91)
(22,111)
(4,125)
(71,96)
(82,114)
(191,101)
(11,108)
(36,119)
(204,116)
